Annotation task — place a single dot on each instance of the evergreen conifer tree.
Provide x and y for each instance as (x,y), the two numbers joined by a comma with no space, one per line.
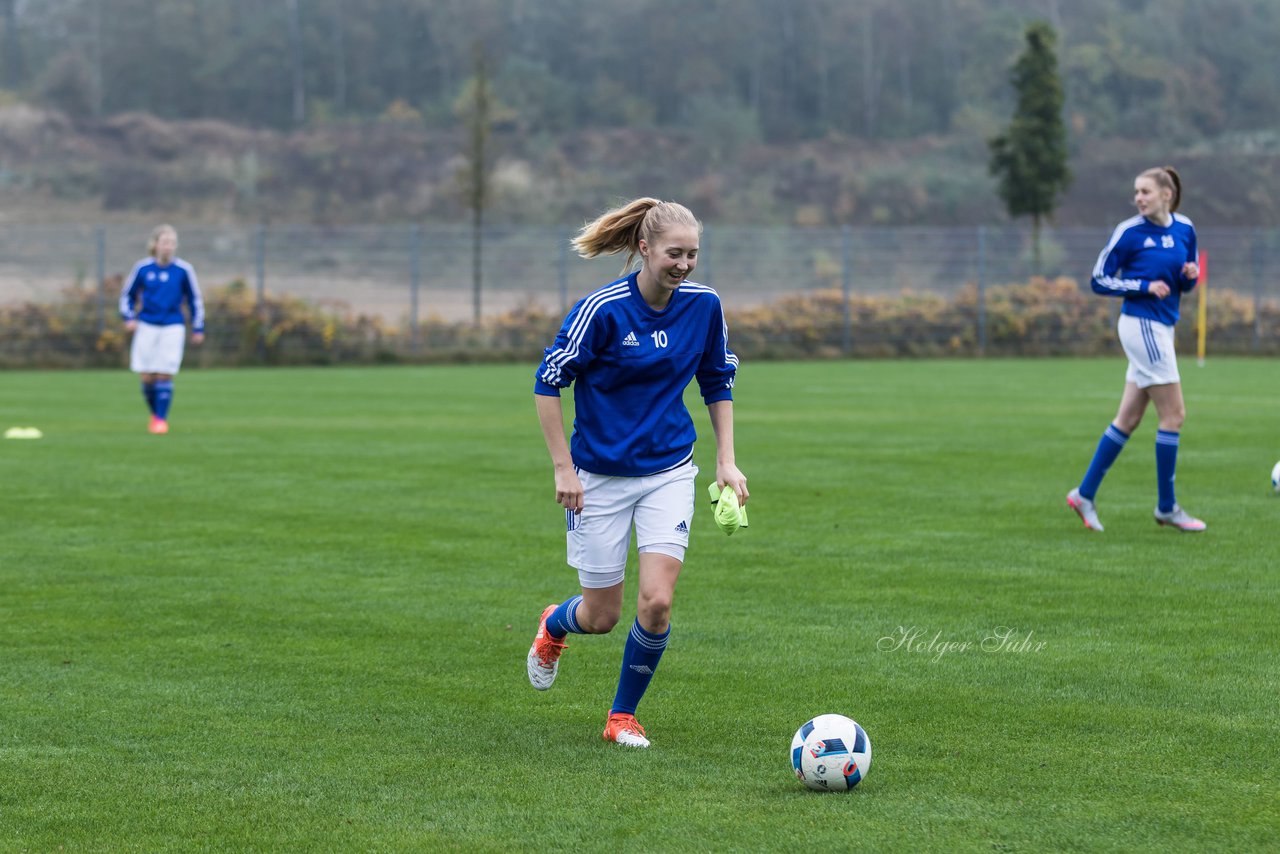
(1030,158)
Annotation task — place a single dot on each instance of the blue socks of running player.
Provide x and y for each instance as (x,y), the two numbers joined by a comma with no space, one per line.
(639,660)
(159,396)
(163,397)
(564,619)
(1166,466)
(1109,447)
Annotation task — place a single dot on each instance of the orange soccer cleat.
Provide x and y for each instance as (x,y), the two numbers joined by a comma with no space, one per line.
(544,656)
(625,729)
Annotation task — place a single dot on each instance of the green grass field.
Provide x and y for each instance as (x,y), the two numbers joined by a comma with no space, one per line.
(290,625)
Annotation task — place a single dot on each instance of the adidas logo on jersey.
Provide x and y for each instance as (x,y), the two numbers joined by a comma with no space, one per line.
(682,528)
(1148,243)
(630,340)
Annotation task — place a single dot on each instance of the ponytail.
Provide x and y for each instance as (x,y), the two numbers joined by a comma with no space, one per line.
(1176,180)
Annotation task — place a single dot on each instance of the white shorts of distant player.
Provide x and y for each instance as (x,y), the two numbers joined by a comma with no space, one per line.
(1149,346)
(659,506)
(157,349)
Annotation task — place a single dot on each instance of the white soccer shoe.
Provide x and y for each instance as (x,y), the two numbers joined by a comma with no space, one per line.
(1086,510)
(1180,519)
(544,656)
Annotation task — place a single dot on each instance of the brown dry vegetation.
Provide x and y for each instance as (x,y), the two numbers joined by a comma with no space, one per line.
(1035,318)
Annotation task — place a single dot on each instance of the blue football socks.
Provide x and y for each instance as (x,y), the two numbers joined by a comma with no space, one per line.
(163,398)
(1166,467)
(149,393)
(564,619)
(1109,447)
(639,660)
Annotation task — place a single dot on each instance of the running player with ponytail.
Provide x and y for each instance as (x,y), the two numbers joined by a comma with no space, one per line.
(1150,262)
(629,349)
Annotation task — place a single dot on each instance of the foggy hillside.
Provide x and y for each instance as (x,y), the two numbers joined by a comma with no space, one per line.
(809,112)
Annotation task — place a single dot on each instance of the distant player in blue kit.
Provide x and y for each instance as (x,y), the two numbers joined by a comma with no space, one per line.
(151,305)
(629,350)
(1150,261)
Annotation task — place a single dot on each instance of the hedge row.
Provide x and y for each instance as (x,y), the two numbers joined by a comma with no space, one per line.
(1036,318)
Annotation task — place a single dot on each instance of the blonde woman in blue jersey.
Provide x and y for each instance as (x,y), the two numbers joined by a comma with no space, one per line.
(1150,261)
(151,305)
(629,350)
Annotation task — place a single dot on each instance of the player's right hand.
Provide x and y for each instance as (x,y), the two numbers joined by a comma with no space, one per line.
(130,326)
(1158,289)
(568,489)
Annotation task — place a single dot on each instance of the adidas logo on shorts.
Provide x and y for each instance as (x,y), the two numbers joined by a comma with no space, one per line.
(682,528)
(630,340)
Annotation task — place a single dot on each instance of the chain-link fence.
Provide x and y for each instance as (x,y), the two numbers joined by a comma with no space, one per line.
(403,277)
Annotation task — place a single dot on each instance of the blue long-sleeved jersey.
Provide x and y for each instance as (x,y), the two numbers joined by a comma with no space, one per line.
(1141,252)
(631,365)
(162,291)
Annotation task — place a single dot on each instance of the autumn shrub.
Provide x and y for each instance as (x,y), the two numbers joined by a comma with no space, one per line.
(1040,317)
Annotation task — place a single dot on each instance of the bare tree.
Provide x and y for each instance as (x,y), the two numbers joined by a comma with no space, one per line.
(476,105)
(295,51)
(339,57)
(13,64)
(96,82)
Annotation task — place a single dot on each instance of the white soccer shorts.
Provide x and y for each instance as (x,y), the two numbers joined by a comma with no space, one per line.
(658,506)
(1149,346)
(157,349)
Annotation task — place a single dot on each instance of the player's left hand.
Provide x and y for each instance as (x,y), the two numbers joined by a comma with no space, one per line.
(729,475)
(1191,271)
(197,337)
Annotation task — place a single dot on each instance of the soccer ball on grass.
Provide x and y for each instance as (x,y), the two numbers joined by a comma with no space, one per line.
(831,753)
(1275,478)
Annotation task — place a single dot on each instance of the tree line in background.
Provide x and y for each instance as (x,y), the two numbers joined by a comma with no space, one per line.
(741,70)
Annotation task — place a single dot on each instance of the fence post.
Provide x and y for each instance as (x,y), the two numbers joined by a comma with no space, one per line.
(101,238)
(982,290)
(260,251)
(846,283)
(260,262)
(1258,265)
(415,279)
(562,271)
(705,276)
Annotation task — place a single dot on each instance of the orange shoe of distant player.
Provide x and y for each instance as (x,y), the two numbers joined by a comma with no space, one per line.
(158,426)
(625,729)
(543,660)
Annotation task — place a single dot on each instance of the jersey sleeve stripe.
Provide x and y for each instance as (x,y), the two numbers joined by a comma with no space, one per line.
(695,287)
(729,357)
(560,356)
(1113,283)
(592,303)
(126,293)
(197,299)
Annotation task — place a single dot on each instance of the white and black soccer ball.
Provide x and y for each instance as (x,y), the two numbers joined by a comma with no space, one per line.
(831,753)
(1275,478)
